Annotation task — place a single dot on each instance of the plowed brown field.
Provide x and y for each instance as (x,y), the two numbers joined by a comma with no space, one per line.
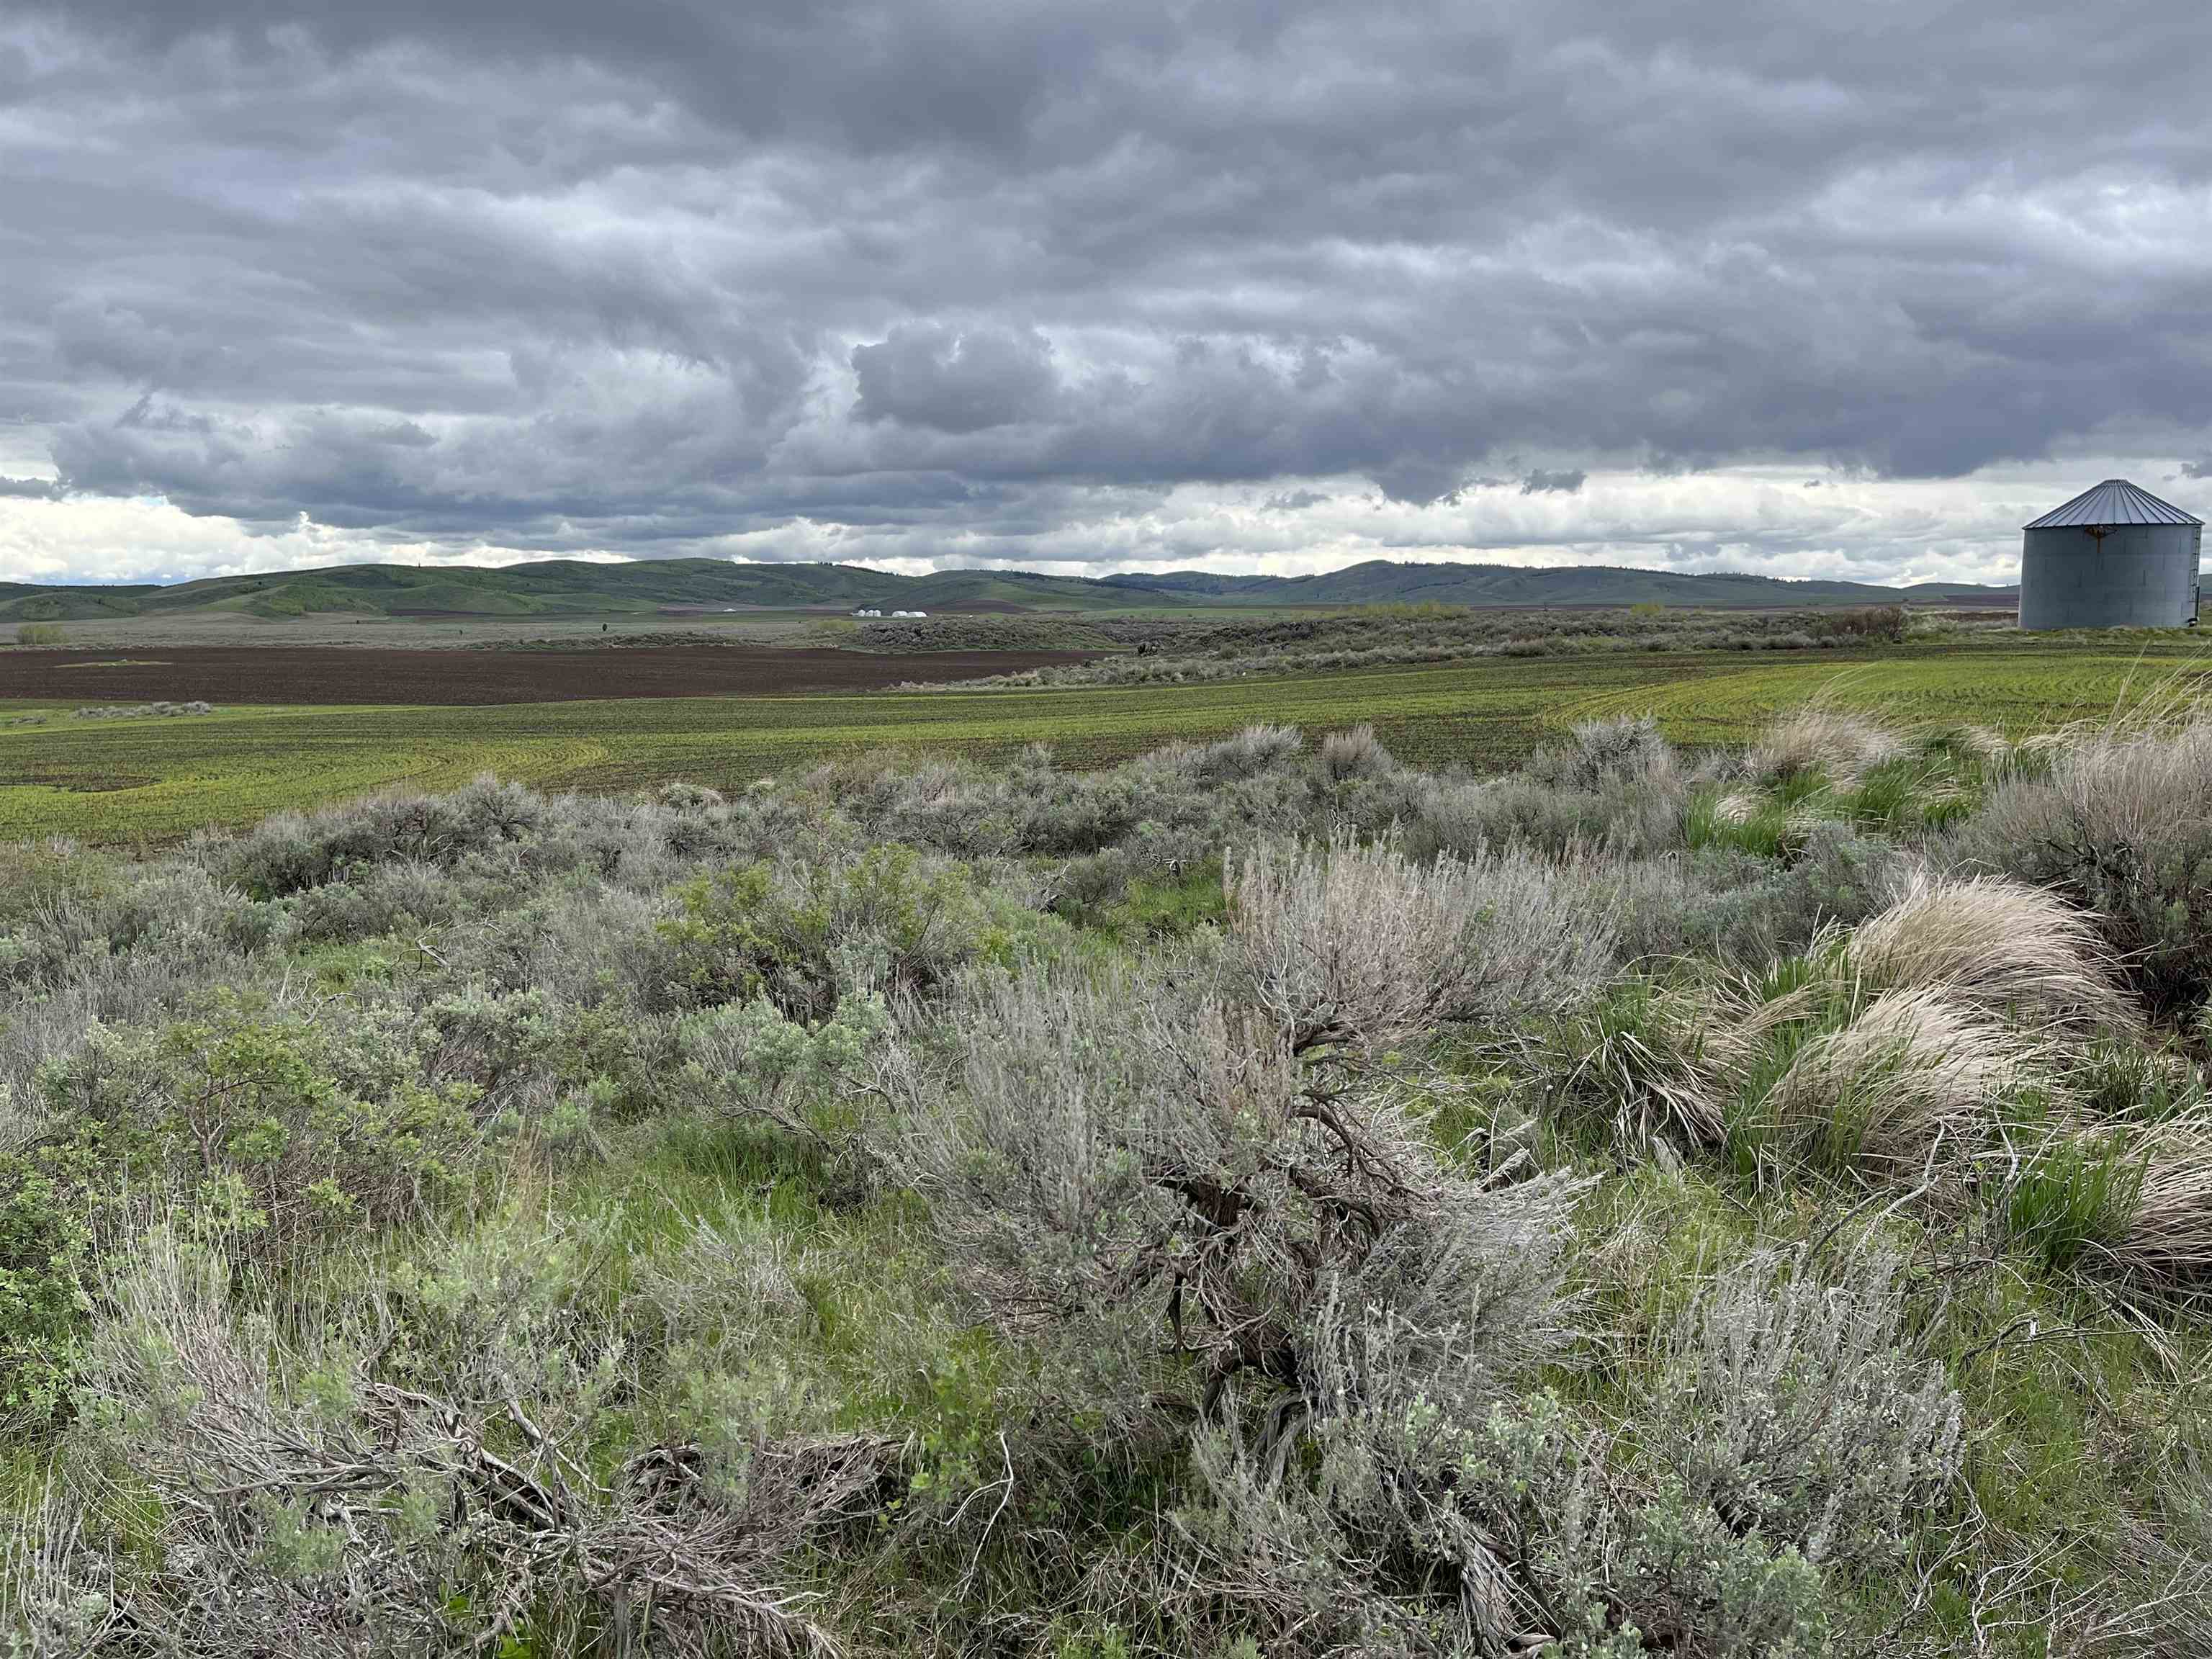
(452,678)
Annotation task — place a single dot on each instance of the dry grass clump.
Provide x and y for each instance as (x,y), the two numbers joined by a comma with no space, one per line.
(1357,753)
(1999,944)
(1913,1071)
(1738,806)
(1819,736)
(2157,1604)
(1254,751)
(1811,1062)
(1810,1065)
(1622,751)
(1988,747)
(1616,784)
(2166,1242)
(1350,943)
(1879,1046)
(1639,1062)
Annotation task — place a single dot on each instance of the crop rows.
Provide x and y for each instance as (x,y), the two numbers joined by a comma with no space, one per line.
(127,780)
(2015,691)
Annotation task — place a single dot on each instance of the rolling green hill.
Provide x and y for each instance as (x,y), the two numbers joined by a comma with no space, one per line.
(570,587)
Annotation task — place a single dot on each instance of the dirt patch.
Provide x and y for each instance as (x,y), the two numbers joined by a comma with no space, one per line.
(246,674)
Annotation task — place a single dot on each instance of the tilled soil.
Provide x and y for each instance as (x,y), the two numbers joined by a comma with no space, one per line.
(250,674)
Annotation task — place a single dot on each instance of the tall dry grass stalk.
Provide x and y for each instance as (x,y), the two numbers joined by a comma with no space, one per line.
(2128,778)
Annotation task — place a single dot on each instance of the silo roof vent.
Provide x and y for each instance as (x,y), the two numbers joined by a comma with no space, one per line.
(2112,502)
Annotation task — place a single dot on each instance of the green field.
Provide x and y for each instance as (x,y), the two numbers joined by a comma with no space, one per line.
(127,780)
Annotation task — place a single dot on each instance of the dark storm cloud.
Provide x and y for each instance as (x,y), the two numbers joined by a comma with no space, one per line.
(560,275)
(1565,481)
(926,375)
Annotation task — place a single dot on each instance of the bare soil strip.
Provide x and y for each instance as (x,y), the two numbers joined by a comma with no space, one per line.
(454,679)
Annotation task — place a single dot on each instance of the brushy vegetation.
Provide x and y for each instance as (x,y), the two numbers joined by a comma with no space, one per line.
(138,711)
(1261,1199)
(1179,651)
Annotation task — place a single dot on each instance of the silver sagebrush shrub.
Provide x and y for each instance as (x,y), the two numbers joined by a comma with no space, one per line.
(1792,1402)
(435,1489)
(1122,1157)
(1350,943)
(1174,1211)
(2120,821)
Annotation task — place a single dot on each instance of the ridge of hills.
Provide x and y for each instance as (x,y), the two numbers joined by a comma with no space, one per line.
(574,588)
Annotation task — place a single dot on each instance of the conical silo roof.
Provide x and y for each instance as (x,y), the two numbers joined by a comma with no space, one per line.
(2112,502)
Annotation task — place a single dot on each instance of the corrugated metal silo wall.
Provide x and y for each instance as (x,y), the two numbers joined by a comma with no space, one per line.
(2139,576)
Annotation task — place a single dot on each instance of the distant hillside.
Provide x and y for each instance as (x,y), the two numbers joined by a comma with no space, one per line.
(567,587)
(1379,581)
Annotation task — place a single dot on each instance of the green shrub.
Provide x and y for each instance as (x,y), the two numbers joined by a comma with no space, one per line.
(1148,909)
(749,1060)
(266,1124)
(46,1244)
(892,921)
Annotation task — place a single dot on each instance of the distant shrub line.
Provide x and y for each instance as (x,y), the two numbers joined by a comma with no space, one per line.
(119,711)
(1182,651)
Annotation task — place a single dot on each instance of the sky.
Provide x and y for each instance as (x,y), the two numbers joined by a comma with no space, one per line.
(1799,288)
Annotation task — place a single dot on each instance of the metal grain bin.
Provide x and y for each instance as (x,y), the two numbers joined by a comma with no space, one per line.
(2114,556)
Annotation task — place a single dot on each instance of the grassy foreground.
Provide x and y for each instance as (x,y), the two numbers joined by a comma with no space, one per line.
(1260,1198)
(121,781)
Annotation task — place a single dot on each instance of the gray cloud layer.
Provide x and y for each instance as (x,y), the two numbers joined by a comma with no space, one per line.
(964,277)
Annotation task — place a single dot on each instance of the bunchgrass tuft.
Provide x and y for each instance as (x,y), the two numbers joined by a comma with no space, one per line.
(2075,1196)
(2119,819)
(2167,1242)
(1913,1073)
(2001,946)
(1838,744)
